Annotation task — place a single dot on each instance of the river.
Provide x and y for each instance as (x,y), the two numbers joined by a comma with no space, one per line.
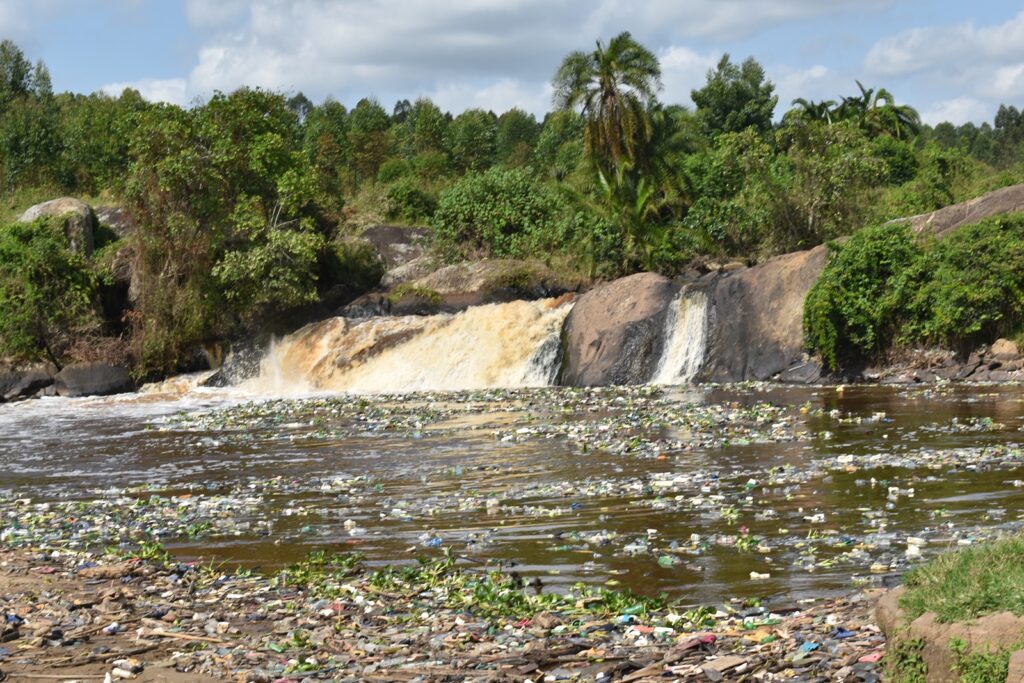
(704,493)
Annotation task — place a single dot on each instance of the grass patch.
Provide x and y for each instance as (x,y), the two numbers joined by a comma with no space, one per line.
(969,583)
(408,290)
(904,663)
(980,666)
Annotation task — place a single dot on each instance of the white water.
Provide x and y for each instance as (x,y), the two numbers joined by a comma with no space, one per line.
(686,332)
(506,345)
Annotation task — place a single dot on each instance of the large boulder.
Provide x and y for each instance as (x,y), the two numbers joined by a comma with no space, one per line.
(949,218)
(242,363)
(19,384)
(117,219)
(79,221)
(455,288)
(397,245)
(92,379)
(756,325)
(615,332)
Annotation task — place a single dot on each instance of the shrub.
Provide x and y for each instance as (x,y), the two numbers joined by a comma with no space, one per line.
(852,311)
(499,212)
(409,202)
(969,287)
(881,287)
(353,263)
(47,292)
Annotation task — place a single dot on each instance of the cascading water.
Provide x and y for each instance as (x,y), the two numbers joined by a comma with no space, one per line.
(513,344)
(686,331)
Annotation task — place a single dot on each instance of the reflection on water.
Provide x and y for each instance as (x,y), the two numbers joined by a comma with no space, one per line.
(602,486)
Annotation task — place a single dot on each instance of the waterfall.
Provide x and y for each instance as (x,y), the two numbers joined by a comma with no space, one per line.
(515,344)
(686,331)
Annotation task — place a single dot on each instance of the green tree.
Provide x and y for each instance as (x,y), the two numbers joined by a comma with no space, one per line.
(612,87)
(736,97)
(47,292)
(29,142)
(559,149)
(515,137)
(808,110)
(877,113)
(368,126)
(470,140)
(426,125)
(326,144)
(227,223)
(15,73)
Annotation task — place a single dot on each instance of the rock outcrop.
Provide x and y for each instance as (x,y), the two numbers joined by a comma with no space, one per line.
(756,326)
(79,221)
(397,245)
(615,332)
(242,363)
(19,384)
(92,379)
(990,633)
(949,218)
(455,288)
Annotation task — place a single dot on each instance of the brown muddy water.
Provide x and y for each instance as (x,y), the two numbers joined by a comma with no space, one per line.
(702,493)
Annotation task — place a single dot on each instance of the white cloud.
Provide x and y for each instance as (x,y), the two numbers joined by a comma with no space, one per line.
(213,13)
(957,111)
(683,70)
(479,52)
(969,68)
(497,97)
(1008,81)
(171,90)
(957,50)
(817,82)
(721,19)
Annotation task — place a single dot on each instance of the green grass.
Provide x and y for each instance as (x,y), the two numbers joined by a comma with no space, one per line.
(980,666)
(969,583)
(407,289)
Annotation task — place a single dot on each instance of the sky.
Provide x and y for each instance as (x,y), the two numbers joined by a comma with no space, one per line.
(952,60)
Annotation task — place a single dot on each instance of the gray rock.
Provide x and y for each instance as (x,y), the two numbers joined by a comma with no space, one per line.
(79,221)
(241,363)
(23,384)
(614,334)
(944,221)
(756,327)
(805,373)
(117,219)
(92,379)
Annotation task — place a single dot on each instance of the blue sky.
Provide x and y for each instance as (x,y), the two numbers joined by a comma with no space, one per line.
(952,60)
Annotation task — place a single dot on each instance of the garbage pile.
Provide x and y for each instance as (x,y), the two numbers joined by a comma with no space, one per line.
(330,618)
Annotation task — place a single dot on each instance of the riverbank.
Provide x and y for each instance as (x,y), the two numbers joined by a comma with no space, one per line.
(76,616)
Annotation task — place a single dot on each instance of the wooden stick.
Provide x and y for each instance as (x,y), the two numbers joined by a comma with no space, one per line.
(184,636)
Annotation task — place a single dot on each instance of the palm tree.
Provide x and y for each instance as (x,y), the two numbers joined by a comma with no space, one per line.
(612,86)
(815,111)
(877,113)
(885,116)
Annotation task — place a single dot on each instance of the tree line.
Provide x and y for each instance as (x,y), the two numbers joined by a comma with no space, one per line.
(245,203)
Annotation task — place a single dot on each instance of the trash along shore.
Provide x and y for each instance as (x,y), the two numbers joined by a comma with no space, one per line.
(624,534)
(76,616)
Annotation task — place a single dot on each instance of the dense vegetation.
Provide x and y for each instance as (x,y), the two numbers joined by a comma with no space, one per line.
(244,206)
(884,288)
